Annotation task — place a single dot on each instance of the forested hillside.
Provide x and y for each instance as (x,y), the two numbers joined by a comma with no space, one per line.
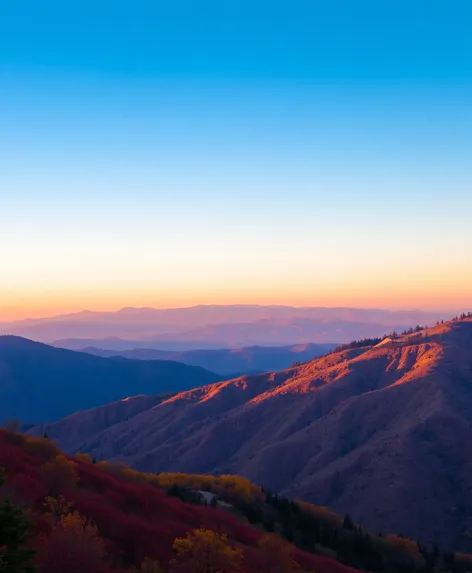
(60,513)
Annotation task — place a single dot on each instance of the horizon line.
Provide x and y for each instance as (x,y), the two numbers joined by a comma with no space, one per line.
(233,305)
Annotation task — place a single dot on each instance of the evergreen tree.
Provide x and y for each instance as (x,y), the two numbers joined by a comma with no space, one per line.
(14,533)
(348,523)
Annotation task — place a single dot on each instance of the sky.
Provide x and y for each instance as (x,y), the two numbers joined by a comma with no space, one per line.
(172,153)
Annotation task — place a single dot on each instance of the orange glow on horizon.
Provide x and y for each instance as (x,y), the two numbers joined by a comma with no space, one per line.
(407,296)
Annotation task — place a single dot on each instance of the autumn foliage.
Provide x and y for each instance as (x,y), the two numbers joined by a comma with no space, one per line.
(73,545)
(97,518)
(68,514)
(205,551)
(276,555)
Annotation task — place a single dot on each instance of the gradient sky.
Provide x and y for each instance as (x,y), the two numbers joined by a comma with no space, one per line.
(169,153)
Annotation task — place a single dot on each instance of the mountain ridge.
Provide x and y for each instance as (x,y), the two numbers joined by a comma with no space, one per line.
(358,430)
(226,362)
(223,326)
(40,382)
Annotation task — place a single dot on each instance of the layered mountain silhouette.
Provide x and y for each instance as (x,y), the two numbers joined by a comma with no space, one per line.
(42,383)
(382,432)
(215,326)
(227,362)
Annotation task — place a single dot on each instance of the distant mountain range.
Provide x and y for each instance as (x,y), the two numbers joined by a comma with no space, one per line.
(380,431)
(249,360)
(216,326)
(40,383)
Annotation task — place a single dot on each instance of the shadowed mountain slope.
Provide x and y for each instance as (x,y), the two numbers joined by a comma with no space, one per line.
(42,383)
(375,431)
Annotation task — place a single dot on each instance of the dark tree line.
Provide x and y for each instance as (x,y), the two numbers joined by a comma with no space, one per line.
(358,344)
(15,529)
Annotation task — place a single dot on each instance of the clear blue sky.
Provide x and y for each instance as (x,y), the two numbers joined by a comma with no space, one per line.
(172,153)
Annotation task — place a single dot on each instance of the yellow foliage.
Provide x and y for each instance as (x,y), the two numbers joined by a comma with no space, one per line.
(225,486)
(116,467)
(148,566)
(205,551)
(42,447)
(73,520)
(140,477)
(59,474)
(62,462)
(321,512)
(57,507)
(407,546)
(74,539)
(79,523)
(82,529)
(86,458)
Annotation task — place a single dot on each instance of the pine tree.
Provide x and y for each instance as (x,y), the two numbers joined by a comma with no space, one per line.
(348,523)
(14,533)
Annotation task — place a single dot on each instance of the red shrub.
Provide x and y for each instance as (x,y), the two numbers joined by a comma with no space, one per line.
(118,522)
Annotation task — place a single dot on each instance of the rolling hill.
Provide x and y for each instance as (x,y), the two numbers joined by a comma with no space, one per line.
(374,431)
(42,383)
(227,362)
